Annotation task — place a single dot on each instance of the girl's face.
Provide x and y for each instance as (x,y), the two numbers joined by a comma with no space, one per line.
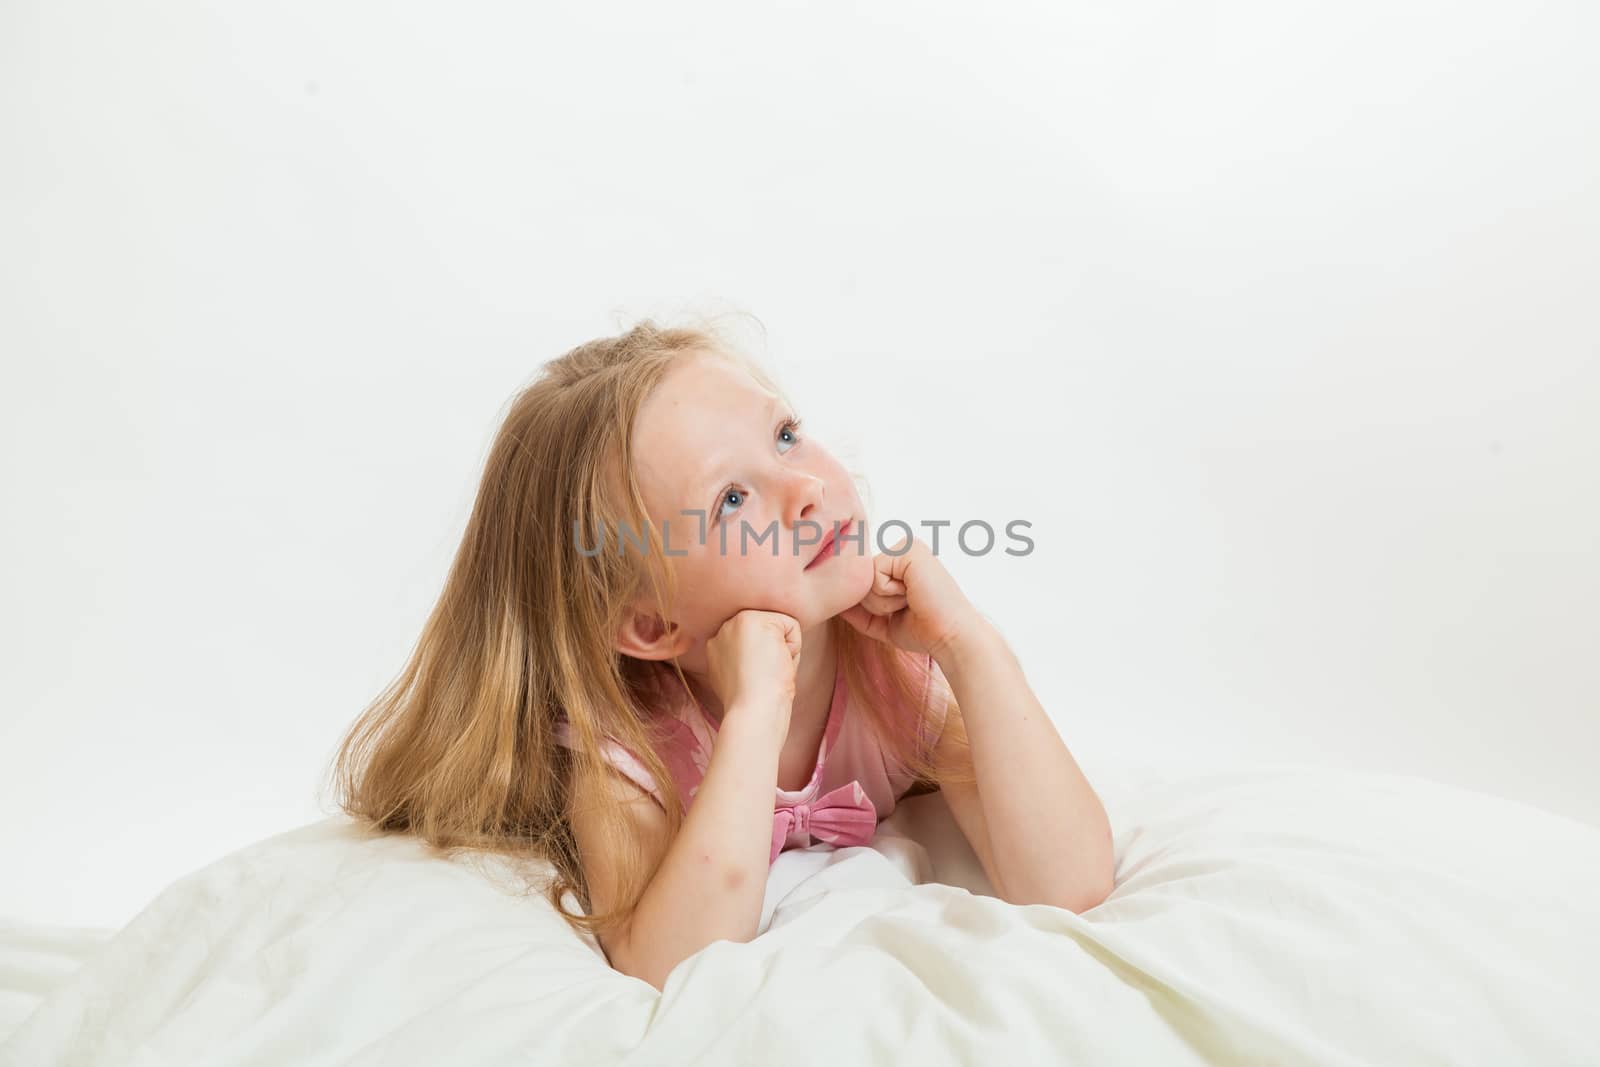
(720,462)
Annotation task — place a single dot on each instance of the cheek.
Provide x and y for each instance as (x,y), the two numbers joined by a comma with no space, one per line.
(861,572)
(757,578)
(757,567)
(715,585)
(700,582)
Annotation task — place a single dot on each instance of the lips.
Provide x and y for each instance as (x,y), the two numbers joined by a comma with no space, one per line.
(826,549)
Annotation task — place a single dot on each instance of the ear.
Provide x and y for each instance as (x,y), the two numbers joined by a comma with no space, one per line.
(643,634)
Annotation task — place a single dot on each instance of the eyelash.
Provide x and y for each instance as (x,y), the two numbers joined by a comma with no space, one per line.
(790,424)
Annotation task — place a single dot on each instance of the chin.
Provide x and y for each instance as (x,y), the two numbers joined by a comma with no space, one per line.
(856,584)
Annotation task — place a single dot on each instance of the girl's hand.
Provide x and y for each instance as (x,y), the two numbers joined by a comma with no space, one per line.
(751,661)
(914,603)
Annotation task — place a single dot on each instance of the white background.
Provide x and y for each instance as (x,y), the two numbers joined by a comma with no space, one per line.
(1277,321)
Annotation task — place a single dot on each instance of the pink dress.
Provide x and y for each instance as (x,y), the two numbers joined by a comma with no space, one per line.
(855,783)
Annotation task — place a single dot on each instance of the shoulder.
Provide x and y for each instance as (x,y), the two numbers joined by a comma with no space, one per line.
(925,719)
(937,698)
(627,765)
(931,697)
(623,780)
(604,840)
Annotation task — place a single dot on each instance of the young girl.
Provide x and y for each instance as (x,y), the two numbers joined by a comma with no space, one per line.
(663,654)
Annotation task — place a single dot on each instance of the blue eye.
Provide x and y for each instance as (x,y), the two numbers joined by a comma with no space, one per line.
(786,436)
(789,428)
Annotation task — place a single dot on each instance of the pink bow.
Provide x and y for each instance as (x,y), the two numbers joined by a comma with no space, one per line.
(842,817)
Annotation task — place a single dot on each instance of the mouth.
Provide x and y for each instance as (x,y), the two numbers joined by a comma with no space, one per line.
(826,550)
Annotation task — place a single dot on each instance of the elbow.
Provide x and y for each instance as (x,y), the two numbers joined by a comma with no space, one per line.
(1089,897)
(1091,892)
(644,974)
(1076,895)
(619,954)
(654,972)
(1076,899)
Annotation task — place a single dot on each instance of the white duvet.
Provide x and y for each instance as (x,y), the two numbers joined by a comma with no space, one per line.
(1271,915)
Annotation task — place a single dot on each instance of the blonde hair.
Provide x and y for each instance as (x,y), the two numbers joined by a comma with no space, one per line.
(461,748)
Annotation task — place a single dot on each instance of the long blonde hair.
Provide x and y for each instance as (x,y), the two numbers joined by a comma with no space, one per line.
(461,748)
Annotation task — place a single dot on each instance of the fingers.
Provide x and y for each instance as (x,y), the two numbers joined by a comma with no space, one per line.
(888,593)
(891,566)
(900,545)
(884,580)
(873,626)
(857,616)
(881,604)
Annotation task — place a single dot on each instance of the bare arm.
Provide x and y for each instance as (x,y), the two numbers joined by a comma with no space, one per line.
(1036,823)
(712,880)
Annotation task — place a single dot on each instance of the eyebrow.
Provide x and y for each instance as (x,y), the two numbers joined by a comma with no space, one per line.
(705,481)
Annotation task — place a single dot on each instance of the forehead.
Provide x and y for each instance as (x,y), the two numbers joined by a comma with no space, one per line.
(702,415)
(709,376)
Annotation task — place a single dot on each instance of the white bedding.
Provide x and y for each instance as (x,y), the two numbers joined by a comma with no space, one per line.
(1276,914)
(35,958)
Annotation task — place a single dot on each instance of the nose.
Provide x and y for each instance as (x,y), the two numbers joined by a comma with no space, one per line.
(804,499)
